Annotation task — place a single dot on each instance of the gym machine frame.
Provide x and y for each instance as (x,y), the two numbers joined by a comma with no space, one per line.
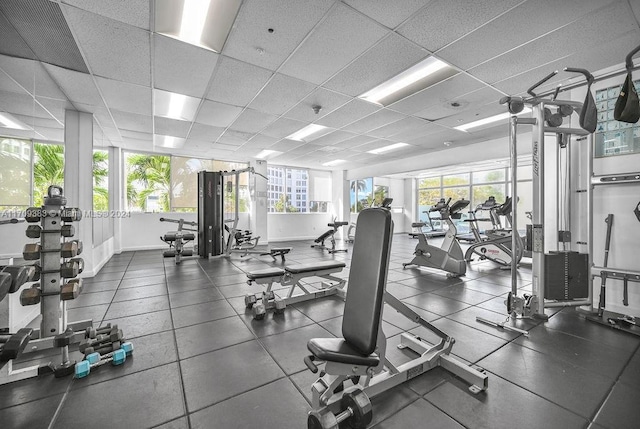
(533,306)
(177,239)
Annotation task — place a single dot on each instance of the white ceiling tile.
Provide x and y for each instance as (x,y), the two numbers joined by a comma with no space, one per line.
(444,21)
(333,138)
(52,134)
(38,122)
(468,101)
(325,52)
(132,12)
(356,141)
(135,135)
(252,121)
(112,134)
(283,127)
(434,95)
(550,14)
(392,55)
(236,82)
(280,94)
(88,108)
(138,145)
(133,122)
(112,49)
(480,112)
(263,140)
(235,138)
(7,84)
(204,132)
(286,145)
(354,110)
(78,87)
(583,35)
(389,13)
(217,114)
(126,97)
(171,127)
(327,100)
(181,67)
(291,22)
(375,120)
(32,76)
(407,124)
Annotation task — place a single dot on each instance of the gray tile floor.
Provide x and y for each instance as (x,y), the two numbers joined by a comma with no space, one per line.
(201,361)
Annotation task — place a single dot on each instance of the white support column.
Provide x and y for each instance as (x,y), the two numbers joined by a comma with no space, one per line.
(116,200)
(340,198)
(259,201)
(78,175)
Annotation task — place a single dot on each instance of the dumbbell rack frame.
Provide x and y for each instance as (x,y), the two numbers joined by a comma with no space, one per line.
(53,318)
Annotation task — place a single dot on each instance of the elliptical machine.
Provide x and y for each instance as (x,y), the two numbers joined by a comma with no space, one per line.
(449,257)
(496,246)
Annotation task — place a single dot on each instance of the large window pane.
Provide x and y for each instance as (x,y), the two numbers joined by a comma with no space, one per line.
(288,190)
(148,182)
(427,198)
(15,173)
(456,193)
(489,176)
(100,180)
(48,169)
(361,194)
(244,201)
(482,193)
(379,194)
(456,179)
(525,203)
(184,182)
(429,182)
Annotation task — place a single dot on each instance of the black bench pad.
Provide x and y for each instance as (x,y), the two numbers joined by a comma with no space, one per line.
(280,250)
(338,350)
(268,272)
(173,236)
(306,268)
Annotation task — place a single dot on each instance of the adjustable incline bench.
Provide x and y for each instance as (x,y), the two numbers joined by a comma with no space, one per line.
(291,276)
(330,234)
(243,241)
(356,366)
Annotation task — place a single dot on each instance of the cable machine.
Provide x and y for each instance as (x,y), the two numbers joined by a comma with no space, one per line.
(215,236)
(561,244)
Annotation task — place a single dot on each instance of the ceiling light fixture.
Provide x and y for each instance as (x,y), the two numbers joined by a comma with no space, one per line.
(204,23)
(334,163)
(168,141)
(9,121)
(488,120)
(422,75)
(387,148)
(175,106)
(266,153)
(301,134)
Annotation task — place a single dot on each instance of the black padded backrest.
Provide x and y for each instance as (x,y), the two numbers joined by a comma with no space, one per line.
(367,279)
(504,208)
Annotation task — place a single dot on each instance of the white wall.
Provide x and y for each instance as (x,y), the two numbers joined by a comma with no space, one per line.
(13,239)
(297,226)
(142,231)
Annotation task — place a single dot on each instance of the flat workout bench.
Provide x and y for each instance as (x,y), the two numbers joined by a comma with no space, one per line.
(291,276)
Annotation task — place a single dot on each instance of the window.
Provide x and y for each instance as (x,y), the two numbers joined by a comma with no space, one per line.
(184,182)
(244,202)
(48,169)
(290,189)
(15,173)
(379,194)
(148,182)
(361,194)
(489,176)
(614,137)
(100,180)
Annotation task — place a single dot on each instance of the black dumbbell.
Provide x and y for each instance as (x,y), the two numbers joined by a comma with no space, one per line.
(101,340)
(69,291)
(69,249)
(31,251)
(69,269)
(92,332)
(71,214)
(33,214)
(30,296)
(19,275)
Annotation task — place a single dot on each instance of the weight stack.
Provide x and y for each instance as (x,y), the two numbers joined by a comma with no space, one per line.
(566,275)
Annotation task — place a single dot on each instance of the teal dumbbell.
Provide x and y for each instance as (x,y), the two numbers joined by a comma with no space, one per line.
(94,360)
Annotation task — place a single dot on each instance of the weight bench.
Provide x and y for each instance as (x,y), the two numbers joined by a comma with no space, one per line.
(356,366)
(277,251)
(291,276)
(177,239)
(330,234)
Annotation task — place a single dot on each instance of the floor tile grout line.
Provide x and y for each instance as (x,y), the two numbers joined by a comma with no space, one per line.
(60,405)
(179,363)
(615,383)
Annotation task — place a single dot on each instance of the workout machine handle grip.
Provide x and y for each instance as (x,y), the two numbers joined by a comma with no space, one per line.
(629,59)
(308,360)
(584,72)
(540,82)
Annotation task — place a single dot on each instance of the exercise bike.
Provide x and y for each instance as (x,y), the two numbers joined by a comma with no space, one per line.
(496,246)
(449,257)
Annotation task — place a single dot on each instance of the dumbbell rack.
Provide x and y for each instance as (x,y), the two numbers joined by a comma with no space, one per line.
(58,270)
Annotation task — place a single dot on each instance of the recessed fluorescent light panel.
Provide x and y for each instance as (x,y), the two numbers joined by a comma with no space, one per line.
(416,78)
(204,23)
(168,141)
(175,106)
(308,133)
(9,121)
(267,153)
(387,148)
(489,120)
(334,163)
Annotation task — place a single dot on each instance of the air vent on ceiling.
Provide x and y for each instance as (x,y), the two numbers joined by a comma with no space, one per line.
(43,28)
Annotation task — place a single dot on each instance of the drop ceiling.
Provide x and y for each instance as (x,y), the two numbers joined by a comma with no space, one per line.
(106,59)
